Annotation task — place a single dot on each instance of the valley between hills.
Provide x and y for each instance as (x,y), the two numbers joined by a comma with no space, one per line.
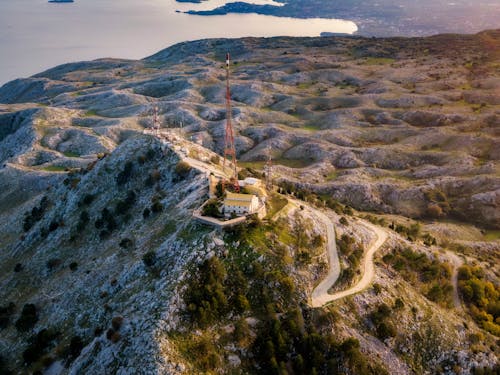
(391,142)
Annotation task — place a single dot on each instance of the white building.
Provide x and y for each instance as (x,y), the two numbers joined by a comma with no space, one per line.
(240,204)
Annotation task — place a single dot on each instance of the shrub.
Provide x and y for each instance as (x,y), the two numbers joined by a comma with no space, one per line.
(481,296)
(124,176)
(28,318)
(6,312)
(211,208)
(18,267)
(434,211)
(156,207)
(383,328)
(73,266)
(125,243)
(39,344)
(149,258)
(83,221)
(146,213)
(343,221)
(4,369)
(117,322)
(123,206)
(182,169)
(36,214)
(87,199)
(53,263)
(75,347)
(215,159)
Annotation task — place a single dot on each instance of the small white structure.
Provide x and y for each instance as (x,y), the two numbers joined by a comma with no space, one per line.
(240,204)
(249,181)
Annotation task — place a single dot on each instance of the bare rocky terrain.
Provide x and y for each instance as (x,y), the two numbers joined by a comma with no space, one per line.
(95,216)
(392,125)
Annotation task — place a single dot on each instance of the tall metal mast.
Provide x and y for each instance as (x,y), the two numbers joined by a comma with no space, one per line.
(229,148)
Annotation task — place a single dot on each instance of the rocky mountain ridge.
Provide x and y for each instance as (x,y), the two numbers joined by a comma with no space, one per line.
(98,246)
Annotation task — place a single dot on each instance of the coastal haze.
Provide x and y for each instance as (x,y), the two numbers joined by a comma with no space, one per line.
(52,34)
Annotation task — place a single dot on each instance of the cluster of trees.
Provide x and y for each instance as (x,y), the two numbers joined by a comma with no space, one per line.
(438,204)
(380,318)
(306,195)
(432,276)
(287,339)
(36,214)
(412,232)
(6,311)
(481,296)
(124,176)
(211,208)
(352,254)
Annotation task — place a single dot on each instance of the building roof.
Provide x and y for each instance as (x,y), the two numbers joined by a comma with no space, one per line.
(239,197)
(240,200)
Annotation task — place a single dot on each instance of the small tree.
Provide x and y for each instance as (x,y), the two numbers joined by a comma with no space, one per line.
(182,169)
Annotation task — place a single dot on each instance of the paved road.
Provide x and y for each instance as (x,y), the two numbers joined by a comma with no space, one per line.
(320,296)
(320,293)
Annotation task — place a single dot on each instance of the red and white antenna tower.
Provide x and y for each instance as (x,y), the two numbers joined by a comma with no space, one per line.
(156,121)
(229,149)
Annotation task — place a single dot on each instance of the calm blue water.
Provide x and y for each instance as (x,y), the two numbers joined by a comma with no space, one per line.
(36,35)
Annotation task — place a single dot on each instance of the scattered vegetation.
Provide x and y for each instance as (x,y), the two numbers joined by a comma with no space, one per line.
(39,345)
(481,296)
(28,318)
(381,320)
(6,312)
(430,275)
(352,254)
(36,214)
(124,176)
(287,338)
(182,169)
(211,208)
(149,258)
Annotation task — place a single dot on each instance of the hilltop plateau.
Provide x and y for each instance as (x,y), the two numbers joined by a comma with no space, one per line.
(385,154)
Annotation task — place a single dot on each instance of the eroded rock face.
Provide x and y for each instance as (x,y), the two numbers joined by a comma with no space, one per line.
(82,258)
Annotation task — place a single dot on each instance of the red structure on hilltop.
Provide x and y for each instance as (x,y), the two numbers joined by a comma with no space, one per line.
(229,148)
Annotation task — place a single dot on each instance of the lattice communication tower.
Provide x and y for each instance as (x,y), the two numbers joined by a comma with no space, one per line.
(229,148)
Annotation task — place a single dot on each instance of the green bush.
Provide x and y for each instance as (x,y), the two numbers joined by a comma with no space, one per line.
(6,312)
(182,169)
(205,295)
(36,214)
(75,347)
(432,276)
(39,344)
(28,318)
(149,259)
(211,208)
(124,176)
(481,296)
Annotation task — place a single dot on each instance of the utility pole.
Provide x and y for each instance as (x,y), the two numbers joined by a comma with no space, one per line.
(229,148)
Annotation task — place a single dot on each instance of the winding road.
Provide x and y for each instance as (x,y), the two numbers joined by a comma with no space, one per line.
(320,296)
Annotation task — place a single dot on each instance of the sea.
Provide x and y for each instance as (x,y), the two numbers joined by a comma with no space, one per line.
(36,35)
